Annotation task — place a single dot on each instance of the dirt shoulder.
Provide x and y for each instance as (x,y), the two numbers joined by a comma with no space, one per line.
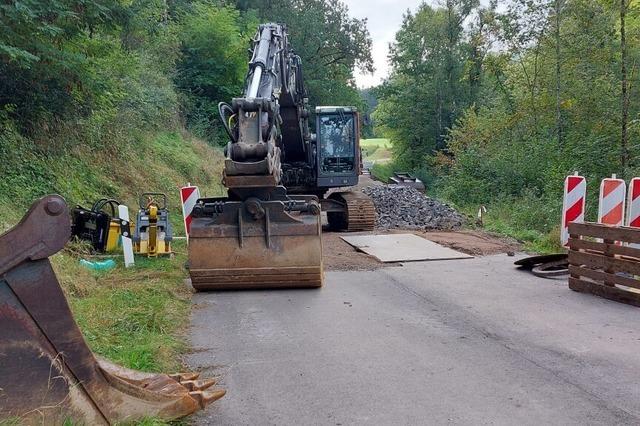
(340,256)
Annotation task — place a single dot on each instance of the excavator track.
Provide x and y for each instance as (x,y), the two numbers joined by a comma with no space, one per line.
(360,214)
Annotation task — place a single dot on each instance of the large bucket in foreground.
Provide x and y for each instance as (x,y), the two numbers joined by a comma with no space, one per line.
(256,244)
(48,374)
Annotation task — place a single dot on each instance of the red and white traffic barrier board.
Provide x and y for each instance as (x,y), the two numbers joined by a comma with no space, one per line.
(575,195)
(189,196)
(633,213)
(612,200)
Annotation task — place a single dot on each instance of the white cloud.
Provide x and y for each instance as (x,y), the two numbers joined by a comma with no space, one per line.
(384,19)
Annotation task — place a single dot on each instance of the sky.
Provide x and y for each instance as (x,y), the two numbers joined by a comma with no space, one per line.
(384,19)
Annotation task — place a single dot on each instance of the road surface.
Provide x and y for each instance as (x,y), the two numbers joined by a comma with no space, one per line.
(450,342)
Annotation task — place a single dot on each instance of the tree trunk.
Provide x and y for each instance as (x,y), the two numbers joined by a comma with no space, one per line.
(559,129)
(624,157)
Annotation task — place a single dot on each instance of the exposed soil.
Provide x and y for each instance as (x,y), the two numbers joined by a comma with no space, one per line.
(476,243)
(338,255)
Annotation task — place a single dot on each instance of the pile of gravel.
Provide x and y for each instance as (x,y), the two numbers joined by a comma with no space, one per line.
(407,208)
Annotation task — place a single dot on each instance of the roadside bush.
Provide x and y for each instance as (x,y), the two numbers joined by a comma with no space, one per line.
(213,64)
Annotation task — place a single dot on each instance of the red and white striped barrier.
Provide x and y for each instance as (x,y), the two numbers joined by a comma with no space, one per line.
(612,201)
(188,196)
(633,213)
(575,194)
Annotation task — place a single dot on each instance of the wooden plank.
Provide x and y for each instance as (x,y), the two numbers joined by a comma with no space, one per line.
(612,293)
(577,271)
(618,233)
(578,244)
(603,262)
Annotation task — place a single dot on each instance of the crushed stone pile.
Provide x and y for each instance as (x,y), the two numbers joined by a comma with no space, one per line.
(407,208)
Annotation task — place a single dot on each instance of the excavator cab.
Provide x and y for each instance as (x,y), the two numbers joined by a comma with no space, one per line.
(338,146)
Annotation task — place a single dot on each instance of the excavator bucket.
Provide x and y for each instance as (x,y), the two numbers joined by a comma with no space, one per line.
(256,244)
(48,374)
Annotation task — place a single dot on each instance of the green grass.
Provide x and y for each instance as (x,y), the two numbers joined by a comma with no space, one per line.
(160,162)
(133,316)
(375,142)
(382,171)
(506,219)
(533,241)
(376,150)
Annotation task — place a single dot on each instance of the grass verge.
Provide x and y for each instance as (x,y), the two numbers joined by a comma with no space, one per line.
(133,316)
(506,219)
(377,151)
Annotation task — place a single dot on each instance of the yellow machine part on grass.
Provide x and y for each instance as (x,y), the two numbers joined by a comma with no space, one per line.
(113,237)
(153,233)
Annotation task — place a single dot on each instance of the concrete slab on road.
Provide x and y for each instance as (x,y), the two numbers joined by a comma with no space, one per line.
(402,248)
(473,342)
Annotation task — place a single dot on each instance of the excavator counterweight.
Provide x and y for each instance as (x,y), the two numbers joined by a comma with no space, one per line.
(48,374)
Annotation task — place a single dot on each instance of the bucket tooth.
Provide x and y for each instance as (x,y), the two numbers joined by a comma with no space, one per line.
(256,244)
(180,377)
(206,397)
(198,385)
(47,371)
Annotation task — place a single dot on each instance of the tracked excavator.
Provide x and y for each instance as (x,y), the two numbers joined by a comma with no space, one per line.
(279,177)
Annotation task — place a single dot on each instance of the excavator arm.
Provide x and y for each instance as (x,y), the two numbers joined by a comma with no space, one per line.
(259,235)
(271,120)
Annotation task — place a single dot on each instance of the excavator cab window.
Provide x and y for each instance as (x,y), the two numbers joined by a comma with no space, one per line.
(337,135)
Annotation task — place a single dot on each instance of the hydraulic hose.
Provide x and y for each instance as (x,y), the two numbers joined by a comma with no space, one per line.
(222,107)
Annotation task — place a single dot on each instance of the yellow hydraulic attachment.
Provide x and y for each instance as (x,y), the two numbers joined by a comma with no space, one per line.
(153,233)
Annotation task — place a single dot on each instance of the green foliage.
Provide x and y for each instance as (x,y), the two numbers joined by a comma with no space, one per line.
(41,66)
(423,96)
(214,63)
(382,171)
(330,42)
(535,98)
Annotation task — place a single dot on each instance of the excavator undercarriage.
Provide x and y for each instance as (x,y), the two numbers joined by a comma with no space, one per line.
(354,212)
(48,374)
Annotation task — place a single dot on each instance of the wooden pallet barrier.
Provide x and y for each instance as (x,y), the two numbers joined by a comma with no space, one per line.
(600,263)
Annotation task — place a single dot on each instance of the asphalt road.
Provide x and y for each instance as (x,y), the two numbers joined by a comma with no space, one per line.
(461,342)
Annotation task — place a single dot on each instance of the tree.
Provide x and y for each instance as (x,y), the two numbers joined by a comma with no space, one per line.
(557,11)
(624,138)
(41,69)
(214,62)
(330,42)
(430,58)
